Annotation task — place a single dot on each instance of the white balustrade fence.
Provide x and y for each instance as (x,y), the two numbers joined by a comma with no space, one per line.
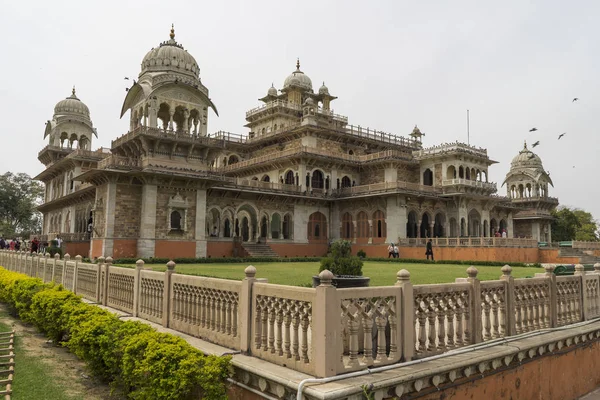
(325,331)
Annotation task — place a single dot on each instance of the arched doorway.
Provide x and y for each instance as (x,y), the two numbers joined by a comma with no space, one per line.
(411,225)
(453,228)
(451,172)
(275,226)
(227,228)
(287,226)
(263,227)
(474,223)
(503,225)
(493,227)
(317,181)
(425,229)
(317,227)
(245,229)
(346,182)
(485,229)
(379,227)
(438,227)
(289,178)
(347,226)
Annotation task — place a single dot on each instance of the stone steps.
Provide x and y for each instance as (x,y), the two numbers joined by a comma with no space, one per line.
(259,250)
(584,258)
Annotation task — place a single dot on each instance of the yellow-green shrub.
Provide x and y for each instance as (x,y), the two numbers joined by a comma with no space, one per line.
(130,355)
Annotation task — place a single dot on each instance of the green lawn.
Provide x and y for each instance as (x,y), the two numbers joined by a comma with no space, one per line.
(381,273)
(33,379)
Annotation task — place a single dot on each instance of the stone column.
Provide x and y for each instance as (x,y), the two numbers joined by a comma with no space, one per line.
(109,221)
(334,221)
(200,234)
(146,242)
(407,316)
(431,226)
(171,113)
(395,218)
(300,232)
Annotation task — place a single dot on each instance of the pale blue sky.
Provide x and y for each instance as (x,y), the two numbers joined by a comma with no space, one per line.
(393,64)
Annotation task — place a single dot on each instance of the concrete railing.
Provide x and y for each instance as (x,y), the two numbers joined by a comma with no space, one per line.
(470,242)
(325,331)
(576,244)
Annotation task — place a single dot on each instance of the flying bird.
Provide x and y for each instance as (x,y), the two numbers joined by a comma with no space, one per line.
(127,89)
(126,78)
(561,135)
(575,99)
(536,144)
(533,130)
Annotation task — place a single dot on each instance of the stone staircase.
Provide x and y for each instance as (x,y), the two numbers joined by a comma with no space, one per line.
(259,250)
(584,258)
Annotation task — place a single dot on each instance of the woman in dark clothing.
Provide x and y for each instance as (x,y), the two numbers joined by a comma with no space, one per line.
(429,250)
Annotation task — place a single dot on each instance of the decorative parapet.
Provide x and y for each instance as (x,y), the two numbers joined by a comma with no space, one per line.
(469,242)
(491,186)
(446,148)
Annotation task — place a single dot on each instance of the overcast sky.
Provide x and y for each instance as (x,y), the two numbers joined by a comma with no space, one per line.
(393,64)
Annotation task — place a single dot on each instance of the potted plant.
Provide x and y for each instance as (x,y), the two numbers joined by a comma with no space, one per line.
(346,268)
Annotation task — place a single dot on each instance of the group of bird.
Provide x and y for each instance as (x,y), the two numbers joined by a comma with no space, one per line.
(537,143)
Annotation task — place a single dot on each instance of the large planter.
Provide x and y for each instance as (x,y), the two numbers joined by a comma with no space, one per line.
(345,281)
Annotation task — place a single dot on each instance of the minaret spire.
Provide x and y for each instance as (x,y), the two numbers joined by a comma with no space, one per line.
(298,64)
(172,34)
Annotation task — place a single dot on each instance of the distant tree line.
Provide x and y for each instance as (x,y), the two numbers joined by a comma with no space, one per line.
(19,197)
(574,224)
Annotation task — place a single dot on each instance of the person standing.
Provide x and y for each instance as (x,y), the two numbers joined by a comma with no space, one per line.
(396,252)
(429,250)
(391,250)
(504,235)
(35,245)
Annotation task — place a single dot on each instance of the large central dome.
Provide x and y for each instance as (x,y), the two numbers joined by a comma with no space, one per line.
(170,56)
(298,79)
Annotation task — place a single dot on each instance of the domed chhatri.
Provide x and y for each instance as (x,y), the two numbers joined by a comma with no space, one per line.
(170,56)
(272,91)
(324,89)
(526,158)
(71,105)
(298,79)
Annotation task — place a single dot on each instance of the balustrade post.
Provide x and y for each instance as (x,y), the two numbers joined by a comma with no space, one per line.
(584,301)
(76,273)
(99,267)
(139,266)
(406,319)
(553,311)
(509,301)
(326,325)
(167,293)
(46,258)
(56,258)
(246,311)
(475,306)
(597,268)
(66,258)
(105,281)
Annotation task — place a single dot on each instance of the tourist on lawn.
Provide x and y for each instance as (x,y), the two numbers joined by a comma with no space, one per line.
(35,245)
(429,250)
(396,252)
(391,250)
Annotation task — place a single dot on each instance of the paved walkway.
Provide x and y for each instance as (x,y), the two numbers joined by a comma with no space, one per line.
(595,395)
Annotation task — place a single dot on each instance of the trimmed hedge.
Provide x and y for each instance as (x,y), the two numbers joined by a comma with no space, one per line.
(250,260)
(131,356)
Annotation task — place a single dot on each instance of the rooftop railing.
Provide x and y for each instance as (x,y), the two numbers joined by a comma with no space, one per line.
(468,182)
(325,331)
(452,147)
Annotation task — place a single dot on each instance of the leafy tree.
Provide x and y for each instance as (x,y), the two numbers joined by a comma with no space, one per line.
(573,224)
(19,197)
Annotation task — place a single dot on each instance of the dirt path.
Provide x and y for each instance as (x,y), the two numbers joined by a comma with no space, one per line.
(62,365)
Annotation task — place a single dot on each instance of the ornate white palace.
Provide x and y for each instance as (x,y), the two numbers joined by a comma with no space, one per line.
(301,176)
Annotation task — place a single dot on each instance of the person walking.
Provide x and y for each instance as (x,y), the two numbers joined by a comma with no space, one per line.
(396,252)
(429,250)
(35,245)
(391,250)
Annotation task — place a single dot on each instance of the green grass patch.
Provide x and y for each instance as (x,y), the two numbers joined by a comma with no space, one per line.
(381,273)
(32,379)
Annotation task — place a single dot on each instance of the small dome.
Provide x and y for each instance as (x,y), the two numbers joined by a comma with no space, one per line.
(272,91)
(71,105)
(170,56)
(309,102)
(323,89)
(298,79)
(526,158)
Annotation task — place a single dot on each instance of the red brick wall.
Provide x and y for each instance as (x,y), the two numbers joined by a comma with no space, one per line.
(77,249)
(219,249)
(124,248)
(175,249)
(97,248)
(299,250)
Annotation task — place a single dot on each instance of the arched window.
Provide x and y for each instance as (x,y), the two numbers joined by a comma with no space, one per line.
(428,177)
(461,172)
(287,227)
(317,181)
(347,226)
(317,226)
(233,159)
(227,228)
(175,220)
(289,178)
(379,224)
(451,172)
(346,182)
(266,178)
(468,175)
(362,225)
(411,225)
(275,226)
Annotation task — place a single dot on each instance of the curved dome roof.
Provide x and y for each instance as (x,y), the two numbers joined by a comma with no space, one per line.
(323,89)
(298,79)
(71,105)
(526,158)
(272,91)
(170,56)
